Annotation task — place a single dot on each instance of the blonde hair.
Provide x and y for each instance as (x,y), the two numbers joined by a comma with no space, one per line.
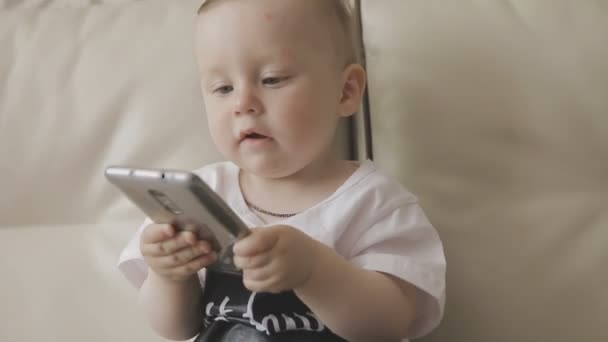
(342,12)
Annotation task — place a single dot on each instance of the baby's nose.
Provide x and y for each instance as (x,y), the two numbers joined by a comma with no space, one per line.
(247,103)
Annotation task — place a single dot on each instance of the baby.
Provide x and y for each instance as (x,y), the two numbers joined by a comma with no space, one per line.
(338,250)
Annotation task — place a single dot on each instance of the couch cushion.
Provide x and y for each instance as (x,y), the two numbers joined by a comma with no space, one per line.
(63,285)
(85,84)
(495,113)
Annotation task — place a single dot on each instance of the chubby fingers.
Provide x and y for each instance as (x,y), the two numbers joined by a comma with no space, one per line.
(189,267)
(259,241)
(252,262)
(185,255)
(159,240)
(154,233)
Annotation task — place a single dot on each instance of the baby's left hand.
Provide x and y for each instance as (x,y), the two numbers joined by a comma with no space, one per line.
(275,259)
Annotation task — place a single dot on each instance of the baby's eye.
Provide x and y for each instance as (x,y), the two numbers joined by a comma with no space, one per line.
(224,89)
(273,80)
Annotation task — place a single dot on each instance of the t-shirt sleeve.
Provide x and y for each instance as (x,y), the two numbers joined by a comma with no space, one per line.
(131,263)
(403,243)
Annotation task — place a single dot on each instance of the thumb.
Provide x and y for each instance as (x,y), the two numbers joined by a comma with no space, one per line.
(154,233)
(258,241)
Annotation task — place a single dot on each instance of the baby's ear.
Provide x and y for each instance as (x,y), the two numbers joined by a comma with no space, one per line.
(353,88)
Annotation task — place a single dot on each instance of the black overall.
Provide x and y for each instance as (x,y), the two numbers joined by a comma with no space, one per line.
(228,306)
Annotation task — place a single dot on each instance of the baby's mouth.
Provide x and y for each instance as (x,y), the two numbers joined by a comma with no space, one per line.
(255,136)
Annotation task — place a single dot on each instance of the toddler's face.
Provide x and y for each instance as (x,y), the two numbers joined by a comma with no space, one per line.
(271,83)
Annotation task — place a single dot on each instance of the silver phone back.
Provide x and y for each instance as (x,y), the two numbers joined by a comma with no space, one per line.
(169,196)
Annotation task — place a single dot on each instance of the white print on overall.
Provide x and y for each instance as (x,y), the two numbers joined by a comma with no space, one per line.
(264,325)
(223,311)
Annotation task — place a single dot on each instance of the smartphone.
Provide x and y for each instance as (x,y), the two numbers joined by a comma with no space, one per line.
(181,198)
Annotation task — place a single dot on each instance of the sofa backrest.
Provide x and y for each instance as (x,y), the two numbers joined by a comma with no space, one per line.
(495,114)
(85,84)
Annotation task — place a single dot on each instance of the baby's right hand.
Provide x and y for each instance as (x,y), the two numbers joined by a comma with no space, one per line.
(172,254)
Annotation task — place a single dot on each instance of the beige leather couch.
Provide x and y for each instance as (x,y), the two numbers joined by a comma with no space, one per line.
(494,112)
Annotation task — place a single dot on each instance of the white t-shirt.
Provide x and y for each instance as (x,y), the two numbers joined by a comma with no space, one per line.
(371,220)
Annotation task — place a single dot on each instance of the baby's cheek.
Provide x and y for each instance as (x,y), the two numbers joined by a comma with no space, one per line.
(304,121)
(221,132)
